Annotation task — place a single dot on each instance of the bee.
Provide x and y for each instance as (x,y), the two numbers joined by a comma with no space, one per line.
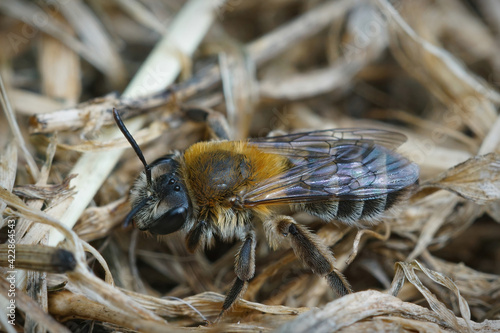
(217,188)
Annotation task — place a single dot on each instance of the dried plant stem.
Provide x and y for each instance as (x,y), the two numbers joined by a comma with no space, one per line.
(361,306)
(80,275)
(25,303)
(39,258)
(274,43)
(491,142)
(26,12)
(9,113)
(374,234)
(159,70)
(446,58)
(68,305)
(138,11)
(259,51)
(8,168)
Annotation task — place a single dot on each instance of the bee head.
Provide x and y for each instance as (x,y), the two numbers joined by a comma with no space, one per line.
(160,201)
(161,206)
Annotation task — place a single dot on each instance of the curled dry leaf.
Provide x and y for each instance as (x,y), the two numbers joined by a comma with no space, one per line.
(475,286)
(153,131)
(96,222)
(367,306)
(44,191)
(436,305)
(477,179)
(374,234)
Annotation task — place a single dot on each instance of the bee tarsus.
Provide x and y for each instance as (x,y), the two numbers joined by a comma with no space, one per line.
(234,293)
(244,268)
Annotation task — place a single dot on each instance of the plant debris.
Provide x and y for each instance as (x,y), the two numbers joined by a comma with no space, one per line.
(428,69)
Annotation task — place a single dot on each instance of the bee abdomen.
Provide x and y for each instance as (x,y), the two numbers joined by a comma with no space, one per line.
(349,211)
(373,208)
(392,198)
(326,210)
(352,211)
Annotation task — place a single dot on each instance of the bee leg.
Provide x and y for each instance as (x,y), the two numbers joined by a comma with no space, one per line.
(195,235)
(244,269)
(309,248)
(217,123)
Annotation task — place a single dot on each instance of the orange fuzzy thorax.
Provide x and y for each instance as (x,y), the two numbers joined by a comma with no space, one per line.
(218,170)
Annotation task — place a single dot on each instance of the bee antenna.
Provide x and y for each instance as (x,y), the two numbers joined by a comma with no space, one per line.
(133,143)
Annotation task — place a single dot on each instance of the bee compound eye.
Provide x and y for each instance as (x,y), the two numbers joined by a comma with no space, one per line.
(169,222)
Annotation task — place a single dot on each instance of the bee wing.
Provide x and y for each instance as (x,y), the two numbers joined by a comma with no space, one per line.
(321,141)
(301,146)
(334,164)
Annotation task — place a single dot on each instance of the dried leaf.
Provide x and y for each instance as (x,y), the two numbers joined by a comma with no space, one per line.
(434,303)
(97,222)
(153,131)
(44,192)
(26,304)
(365,306)
(477,179)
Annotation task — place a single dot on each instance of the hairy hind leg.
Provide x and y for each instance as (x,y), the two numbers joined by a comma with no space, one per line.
(244,268)
(309,248)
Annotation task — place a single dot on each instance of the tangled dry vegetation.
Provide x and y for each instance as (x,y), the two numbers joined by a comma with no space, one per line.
(429,69)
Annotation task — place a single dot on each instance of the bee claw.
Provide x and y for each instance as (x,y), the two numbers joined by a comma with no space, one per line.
(208,323)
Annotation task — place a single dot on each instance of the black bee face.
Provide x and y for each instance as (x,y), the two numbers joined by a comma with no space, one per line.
(163,206)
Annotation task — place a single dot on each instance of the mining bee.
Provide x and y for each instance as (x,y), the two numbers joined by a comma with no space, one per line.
(217,188)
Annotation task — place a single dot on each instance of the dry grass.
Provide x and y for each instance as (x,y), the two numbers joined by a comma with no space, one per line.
(428,69)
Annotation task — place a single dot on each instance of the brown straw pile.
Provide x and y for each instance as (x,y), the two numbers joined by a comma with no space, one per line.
(429,69)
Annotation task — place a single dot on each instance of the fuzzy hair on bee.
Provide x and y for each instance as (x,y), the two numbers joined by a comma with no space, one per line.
(218,188)
(142,192)
(218,174)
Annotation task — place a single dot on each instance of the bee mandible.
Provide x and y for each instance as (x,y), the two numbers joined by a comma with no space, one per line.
(217,188)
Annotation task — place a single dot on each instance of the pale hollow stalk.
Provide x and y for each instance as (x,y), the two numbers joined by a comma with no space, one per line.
(159,70)
(259,51)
